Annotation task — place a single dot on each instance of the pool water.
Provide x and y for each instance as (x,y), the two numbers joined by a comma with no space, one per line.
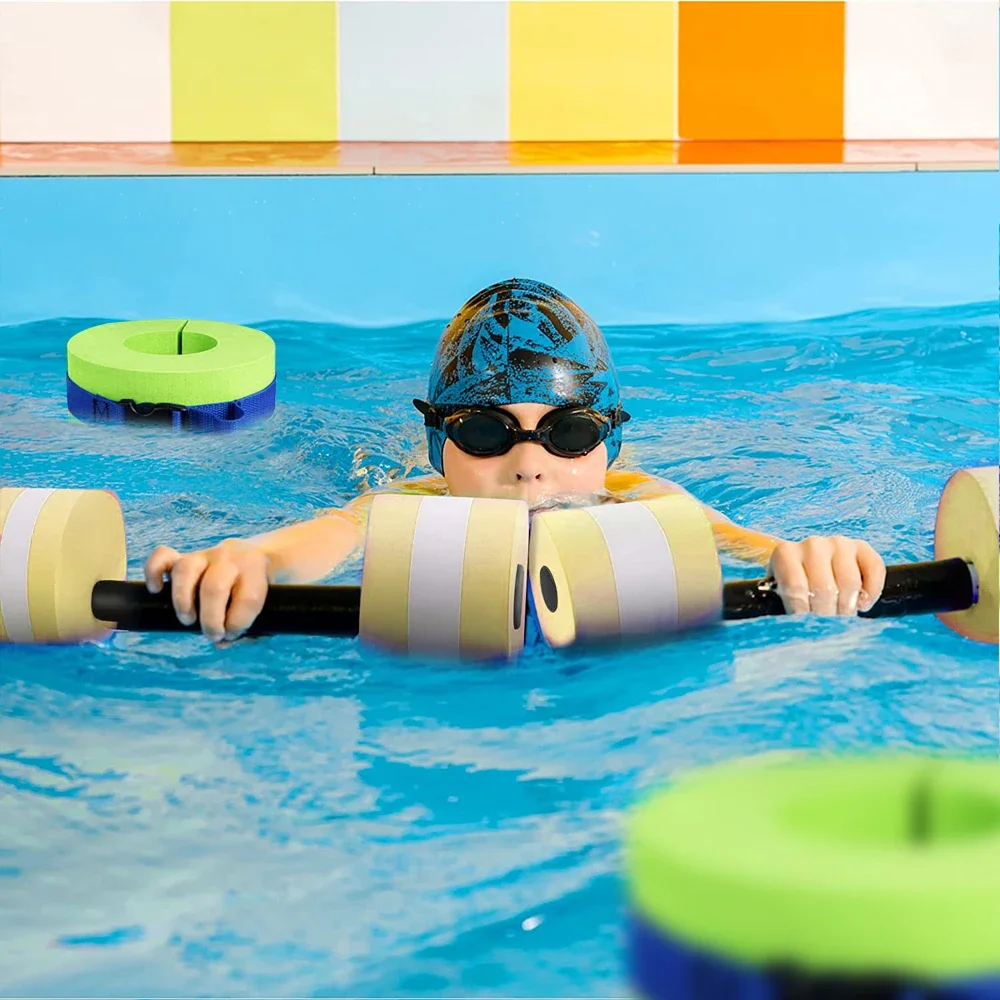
(298,817)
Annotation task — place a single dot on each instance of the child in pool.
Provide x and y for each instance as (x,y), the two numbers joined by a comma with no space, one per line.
(523,403)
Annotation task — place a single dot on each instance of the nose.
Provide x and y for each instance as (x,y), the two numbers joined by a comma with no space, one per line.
(527,461)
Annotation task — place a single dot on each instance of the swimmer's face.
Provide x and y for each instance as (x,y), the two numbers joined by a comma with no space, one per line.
(527,472)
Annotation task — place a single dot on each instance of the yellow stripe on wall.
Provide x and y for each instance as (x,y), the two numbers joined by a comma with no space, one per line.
(592,70)
(254,71)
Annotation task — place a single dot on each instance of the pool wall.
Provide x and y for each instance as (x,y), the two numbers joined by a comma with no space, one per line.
(381,250)
(138,71)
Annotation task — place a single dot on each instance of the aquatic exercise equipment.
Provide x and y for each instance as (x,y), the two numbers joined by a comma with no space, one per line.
(191,374)
(812,878)
(443,576)
(449,575)
(651,569)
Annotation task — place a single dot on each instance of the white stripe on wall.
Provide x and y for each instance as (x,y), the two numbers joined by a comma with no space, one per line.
(922,70)
(85,72)
(423,71)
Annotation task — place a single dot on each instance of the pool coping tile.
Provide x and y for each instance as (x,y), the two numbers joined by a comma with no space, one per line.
(448,158)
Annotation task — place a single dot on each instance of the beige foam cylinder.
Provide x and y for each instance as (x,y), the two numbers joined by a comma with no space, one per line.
(445,576)
(54,546)
(967,528)
(624,571)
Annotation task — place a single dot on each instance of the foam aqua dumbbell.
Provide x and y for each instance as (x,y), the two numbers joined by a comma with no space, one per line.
(443,576)
(446,575)
(967,528)
(55,547)
(650,569)
(620,571)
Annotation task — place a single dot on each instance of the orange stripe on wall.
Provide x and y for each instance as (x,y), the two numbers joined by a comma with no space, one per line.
(761,70)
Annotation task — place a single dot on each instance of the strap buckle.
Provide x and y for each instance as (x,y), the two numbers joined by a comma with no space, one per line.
(154,413)
(618,417)
(432,418)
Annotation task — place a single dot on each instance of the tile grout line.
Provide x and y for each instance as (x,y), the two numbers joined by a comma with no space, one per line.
(416,170)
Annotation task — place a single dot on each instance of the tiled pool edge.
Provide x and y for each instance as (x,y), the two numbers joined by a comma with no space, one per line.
(408,159)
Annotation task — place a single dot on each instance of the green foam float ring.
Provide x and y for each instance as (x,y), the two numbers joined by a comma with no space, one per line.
(198,368)
(883,869)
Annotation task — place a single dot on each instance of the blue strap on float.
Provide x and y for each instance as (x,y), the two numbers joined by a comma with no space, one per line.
(532,631)
(663,969)
(218,417)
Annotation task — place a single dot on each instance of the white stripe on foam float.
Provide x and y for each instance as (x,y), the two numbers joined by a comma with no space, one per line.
(643,567)
(436,566)
(15,548)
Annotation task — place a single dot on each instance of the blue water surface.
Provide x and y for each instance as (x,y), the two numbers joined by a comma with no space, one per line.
(299,817)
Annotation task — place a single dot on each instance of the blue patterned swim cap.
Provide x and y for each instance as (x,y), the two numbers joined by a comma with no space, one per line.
(520,341)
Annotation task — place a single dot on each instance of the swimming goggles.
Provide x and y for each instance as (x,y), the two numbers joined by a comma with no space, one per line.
(485,432)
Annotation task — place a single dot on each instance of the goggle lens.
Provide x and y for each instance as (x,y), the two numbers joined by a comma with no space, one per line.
(482,434)
(575,434)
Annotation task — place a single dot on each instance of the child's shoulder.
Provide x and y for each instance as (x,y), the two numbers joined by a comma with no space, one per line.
(420,485)
(630,485)
(640,486)
(430,485)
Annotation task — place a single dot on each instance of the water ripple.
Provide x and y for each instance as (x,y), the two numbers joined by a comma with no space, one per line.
(298,817)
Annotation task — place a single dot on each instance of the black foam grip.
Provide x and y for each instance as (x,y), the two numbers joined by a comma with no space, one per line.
(915,588)
(910,589)
(288,610)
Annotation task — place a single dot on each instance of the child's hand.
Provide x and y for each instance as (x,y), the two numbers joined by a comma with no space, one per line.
(830,576)
(231,582)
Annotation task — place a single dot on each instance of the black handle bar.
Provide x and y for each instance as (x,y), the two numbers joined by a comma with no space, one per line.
(910,589)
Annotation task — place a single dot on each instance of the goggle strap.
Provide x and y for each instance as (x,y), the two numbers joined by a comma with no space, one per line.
(431,416)
(434,419)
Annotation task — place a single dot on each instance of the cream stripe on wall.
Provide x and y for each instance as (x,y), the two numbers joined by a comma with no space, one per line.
(433,70)
(85,72)
(919,70)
